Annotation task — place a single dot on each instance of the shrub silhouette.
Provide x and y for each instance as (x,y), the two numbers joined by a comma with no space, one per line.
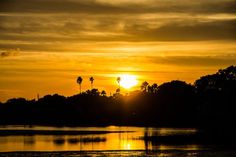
(208,104)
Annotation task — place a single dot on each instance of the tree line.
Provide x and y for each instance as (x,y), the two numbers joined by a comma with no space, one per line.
(208,103)
(145,86)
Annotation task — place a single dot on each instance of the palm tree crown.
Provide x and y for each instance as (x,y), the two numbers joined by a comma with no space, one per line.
(79,81)
(91,79)
(118,80)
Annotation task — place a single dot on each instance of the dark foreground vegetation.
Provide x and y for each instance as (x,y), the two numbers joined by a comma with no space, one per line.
(208,104)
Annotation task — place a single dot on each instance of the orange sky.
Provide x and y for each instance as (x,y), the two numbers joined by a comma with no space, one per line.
(45,45)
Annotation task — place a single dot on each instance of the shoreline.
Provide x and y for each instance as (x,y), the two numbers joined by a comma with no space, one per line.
(169,153)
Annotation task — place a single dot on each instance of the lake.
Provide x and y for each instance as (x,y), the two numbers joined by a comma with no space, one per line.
(92,141)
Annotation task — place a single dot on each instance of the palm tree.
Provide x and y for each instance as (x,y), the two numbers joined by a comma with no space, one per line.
(144,86)
(91,79)
(118,80)
(79,81)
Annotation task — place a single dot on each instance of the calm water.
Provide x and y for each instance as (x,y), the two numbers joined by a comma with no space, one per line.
(114,140)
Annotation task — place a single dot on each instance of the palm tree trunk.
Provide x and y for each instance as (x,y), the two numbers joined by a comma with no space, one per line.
(80,88)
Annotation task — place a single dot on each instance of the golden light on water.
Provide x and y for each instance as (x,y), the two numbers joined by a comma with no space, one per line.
(128,81)
(127,138)
(127,146)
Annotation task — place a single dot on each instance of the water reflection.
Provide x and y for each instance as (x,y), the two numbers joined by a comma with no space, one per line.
(124,138)
(59,141)
(30,140)
(80,139)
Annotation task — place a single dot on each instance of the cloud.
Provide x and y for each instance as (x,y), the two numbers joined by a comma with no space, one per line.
(27,25)
(117,7)
(198,61)
(109,37)
(186,31)
(32,35)
(11,52)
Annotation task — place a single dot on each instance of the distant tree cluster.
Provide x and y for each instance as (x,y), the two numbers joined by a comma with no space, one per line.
(208,103)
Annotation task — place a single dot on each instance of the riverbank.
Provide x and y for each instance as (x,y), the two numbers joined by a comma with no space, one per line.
(137,153)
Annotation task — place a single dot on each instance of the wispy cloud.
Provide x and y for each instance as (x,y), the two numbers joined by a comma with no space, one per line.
(154,39)
(118,7)
(27,24)
(11,52)
(186,31)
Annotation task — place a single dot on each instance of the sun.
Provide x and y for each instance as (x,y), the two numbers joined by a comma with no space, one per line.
(128,81)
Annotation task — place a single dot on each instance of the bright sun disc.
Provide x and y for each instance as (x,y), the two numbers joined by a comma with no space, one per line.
(128,81)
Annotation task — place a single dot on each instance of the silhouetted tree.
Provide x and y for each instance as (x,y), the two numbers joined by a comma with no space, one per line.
(103,93)
(79,81)
(209,105)
(218,81)
(144,86)
(93,92)
(216,95)
(177,102)
(118,81)
(91,79)
(155,87)
(118,90)
(152,88)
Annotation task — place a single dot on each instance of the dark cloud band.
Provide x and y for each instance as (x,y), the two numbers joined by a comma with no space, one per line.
(92,6)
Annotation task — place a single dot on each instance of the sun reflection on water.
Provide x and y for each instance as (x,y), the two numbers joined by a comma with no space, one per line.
(124,140)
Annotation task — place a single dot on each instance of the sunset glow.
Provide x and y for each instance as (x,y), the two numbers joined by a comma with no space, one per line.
(128,81)
(117,78)
(46,45)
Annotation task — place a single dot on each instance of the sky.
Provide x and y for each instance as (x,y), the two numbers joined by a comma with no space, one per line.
(46,44)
